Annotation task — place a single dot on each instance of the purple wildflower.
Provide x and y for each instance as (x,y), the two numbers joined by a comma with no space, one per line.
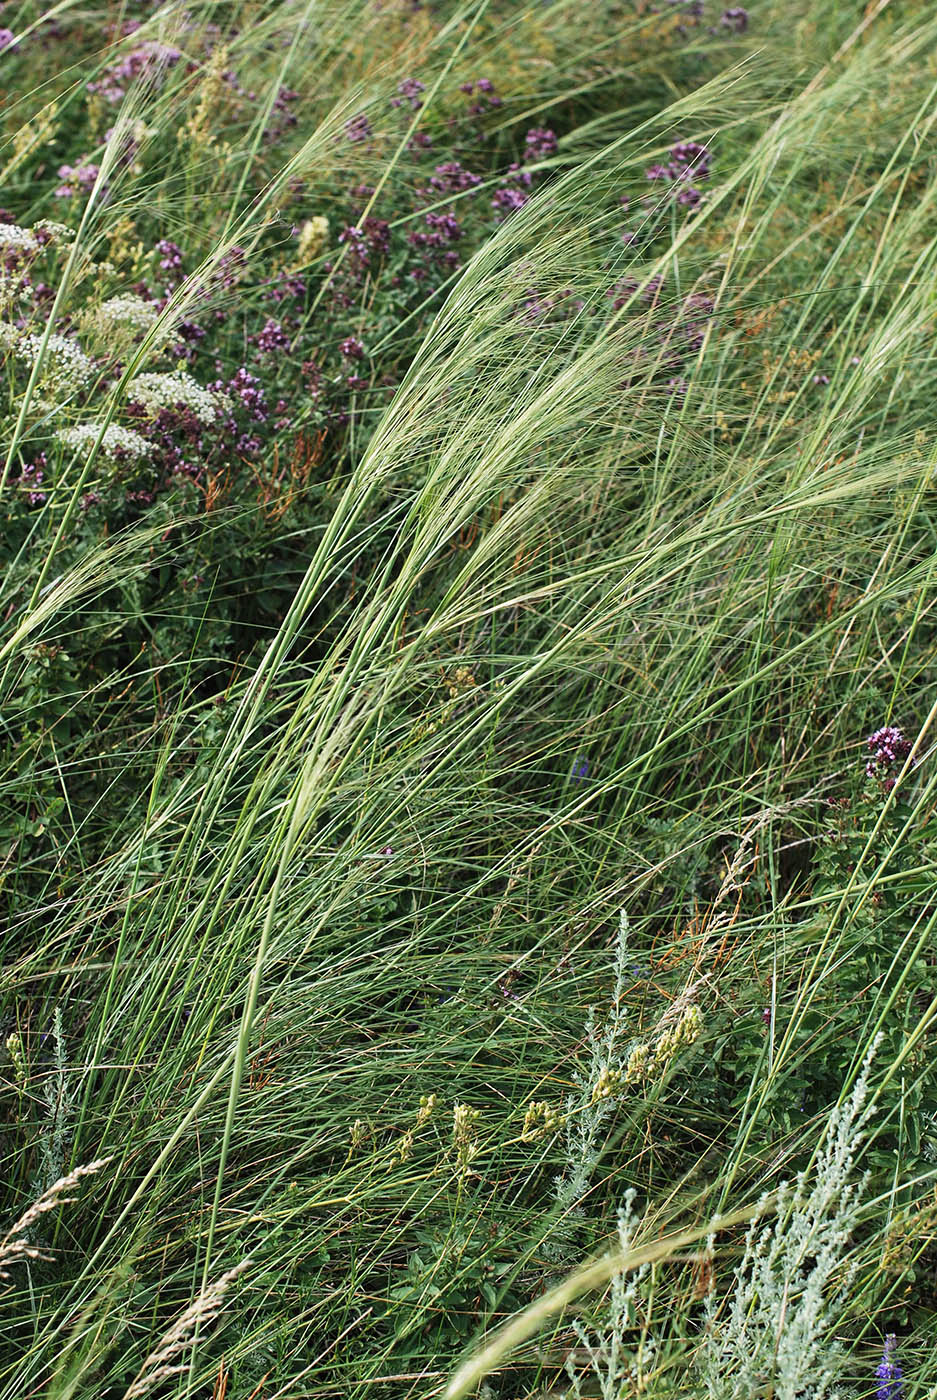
(150,60)
(889,1373)
(271,337)
(410,89)
(170,260)
(451,177)
(540,143)
(358,129)
(280,116)
(443,229)
(230,268)
(76,179)
(485,88)
(507,199)
(736,18)
(690,160)
(7,39)
(287,287)
(31,477)
(245,389)
(888,748)
(580,769)
(352,349)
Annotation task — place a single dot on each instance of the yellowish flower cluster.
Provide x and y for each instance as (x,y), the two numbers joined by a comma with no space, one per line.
(540,1120)
(464,1134)
(646,1059)
(15,1052)
(313,240)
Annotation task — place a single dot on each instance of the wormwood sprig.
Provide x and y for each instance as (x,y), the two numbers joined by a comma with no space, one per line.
(586,1116)
(775,1335)
(56,1090)
(616,1357)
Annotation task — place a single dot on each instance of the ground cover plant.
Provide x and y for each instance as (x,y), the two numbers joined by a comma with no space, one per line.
(467,692)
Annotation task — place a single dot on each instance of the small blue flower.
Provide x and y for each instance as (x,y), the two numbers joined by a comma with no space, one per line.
(580,769)
(889,1373)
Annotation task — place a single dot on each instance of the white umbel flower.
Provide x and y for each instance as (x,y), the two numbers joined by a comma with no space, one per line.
(117,445)
(126,310)
(66,367)
(59,233)
(156,391)
(19,240)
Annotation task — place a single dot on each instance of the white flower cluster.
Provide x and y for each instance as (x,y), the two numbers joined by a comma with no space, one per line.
(60,232)
(19,240)
(126,310)
(156,391)
(13,291)
(118,443)
(66,367)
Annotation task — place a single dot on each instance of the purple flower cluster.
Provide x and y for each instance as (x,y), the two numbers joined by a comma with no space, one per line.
(409,90)
(538,306)
(735,18)
(434,244)
(150,60)
(230,268)
(177,438)
(170,260)
(191,333)
(539,144)
(76,179)
(508,198)
(451,177)
(351,348)
(689,161)
(287,287)
(697,312)
(888,1373)
(622,292)
(888,749)
(272,337)
(245,389)
(281,118)
(513,194)
(365,242)
(485,95)
(7,39)
(31,478)
(358,129)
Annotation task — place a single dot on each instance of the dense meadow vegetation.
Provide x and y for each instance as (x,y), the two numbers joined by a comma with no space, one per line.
(468,789)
